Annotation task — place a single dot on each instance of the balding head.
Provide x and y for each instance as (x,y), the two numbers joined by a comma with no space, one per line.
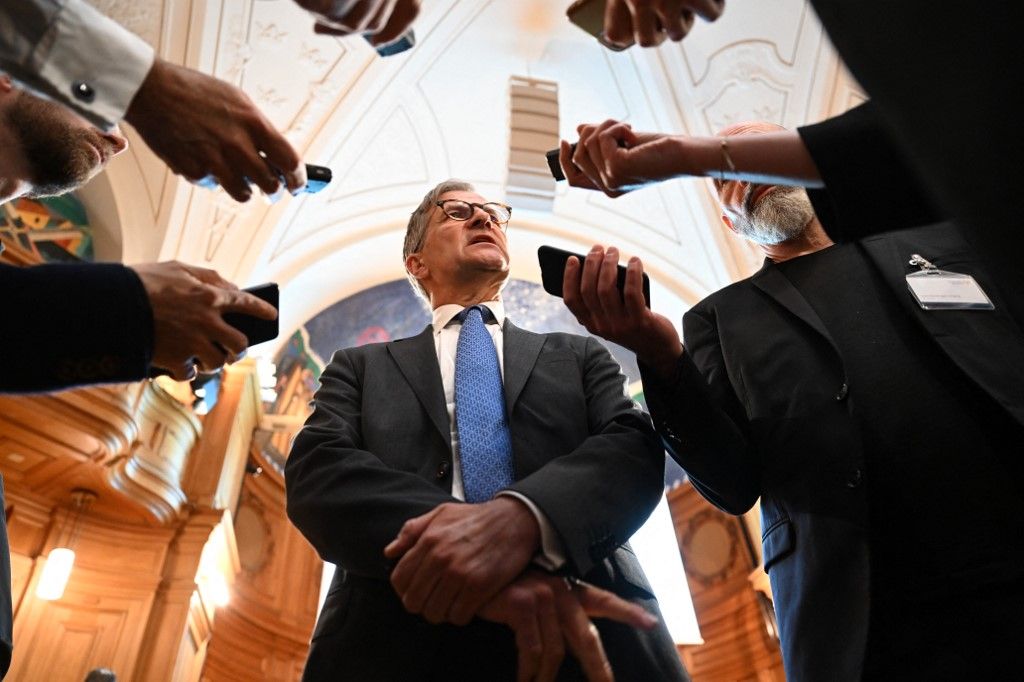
(764,214)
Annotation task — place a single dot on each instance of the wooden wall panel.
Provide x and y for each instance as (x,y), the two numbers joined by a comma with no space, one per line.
(263,634)
(735,619)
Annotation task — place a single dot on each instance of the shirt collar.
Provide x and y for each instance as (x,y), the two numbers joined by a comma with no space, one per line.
(446,313)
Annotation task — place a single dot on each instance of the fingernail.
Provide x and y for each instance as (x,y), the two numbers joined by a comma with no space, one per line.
(634,260)
(612,254)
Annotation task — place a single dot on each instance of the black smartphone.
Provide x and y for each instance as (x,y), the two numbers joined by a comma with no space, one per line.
(552,272)
(256,329)
(554,165)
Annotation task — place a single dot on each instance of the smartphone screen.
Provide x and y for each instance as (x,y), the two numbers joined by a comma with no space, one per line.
(256,329)
(552,272)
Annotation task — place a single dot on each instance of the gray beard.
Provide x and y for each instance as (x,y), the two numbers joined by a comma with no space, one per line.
(779,216)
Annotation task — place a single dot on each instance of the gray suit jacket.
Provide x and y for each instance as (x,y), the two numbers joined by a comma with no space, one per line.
(376,452)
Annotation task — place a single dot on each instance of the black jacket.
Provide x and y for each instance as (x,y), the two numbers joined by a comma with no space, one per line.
(760,407)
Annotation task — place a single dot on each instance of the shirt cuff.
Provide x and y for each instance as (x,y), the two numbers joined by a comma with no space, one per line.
(552,554)
(94,64)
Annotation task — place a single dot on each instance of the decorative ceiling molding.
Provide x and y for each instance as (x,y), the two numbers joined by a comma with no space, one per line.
(392,127)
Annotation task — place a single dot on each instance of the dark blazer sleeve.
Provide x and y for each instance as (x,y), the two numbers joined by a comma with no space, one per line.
(600,493)
(702,421)
(346,501)
(869,186)
(73,324)
(6,611)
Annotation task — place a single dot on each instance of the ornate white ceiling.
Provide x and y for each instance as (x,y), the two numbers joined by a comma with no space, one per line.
(391,128)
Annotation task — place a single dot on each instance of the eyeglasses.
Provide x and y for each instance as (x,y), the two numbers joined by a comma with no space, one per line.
(456,209)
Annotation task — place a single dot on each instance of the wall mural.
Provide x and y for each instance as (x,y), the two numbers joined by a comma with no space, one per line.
(392,311)
(55,229)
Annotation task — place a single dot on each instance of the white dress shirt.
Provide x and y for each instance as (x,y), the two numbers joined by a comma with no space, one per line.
(70,52)
(446,341)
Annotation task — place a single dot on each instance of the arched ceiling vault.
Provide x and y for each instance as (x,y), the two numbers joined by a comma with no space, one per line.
(390,128)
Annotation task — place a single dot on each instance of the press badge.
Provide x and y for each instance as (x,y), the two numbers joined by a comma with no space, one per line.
(935,289)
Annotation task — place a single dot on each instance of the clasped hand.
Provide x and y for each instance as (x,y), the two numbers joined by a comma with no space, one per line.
(461,561)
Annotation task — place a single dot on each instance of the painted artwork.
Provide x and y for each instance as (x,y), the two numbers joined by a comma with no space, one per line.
(54,229)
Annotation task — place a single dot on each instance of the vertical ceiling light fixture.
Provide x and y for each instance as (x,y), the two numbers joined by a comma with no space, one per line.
(61,559)
(533,130)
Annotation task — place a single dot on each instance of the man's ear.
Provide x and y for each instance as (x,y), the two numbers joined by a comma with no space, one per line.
(728,223)
(6,84)
(416,267)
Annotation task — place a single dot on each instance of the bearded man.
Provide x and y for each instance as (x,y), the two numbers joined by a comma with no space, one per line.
(880,424)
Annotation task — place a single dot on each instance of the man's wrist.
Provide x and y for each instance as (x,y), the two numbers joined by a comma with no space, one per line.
(660,347)
(521,519)
(664,361)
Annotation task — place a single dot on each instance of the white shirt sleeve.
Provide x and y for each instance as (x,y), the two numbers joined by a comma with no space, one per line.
(552,554)
(70,52)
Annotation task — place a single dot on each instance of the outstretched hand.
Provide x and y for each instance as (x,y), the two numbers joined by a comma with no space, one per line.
(591,293)
(612,158)
(550,615)
(204,128)
(188,328)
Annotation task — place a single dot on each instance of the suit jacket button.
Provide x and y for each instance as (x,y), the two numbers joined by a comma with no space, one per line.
(442,469)
(843,391)
(855,478)
(83,91)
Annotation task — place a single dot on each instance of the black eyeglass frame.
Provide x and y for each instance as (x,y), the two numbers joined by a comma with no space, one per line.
(440,204)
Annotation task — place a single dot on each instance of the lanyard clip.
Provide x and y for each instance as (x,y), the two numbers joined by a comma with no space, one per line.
(923,263)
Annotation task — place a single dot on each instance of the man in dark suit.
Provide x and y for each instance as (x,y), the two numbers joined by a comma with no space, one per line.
(556,465)
(881,436)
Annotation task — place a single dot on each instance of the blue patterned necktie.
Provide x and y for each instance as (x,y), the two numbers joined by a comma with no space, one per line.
(485,446)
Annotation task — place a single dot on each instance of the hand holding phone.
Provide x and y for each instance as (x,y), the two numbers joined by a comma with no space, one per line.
(651,336)
(613,23)
(552,271)
(317,178)
(256,329)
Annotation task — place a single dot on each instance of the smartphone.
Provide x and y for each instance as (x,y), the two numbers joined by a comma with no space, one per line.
(552,272)
(589,15)
(554,165)
(256,329)
(317,177)
(406,41)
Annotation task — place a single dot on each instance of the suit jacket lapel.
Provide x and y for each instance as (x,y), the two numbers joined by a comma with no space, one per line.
(772,282)
(521,349)
(417,360)
(986,345)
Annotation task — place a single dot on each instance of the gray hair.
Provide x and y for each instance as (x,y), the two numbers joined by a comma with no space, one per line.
(416,231)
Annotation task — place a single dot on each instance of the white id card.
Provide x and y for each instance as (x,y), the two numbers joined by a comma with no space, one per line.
(940,290)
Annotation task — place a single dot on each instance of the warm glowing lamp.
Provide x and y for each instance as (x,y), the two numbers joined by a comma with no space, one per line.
(55,574)
(61,559)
